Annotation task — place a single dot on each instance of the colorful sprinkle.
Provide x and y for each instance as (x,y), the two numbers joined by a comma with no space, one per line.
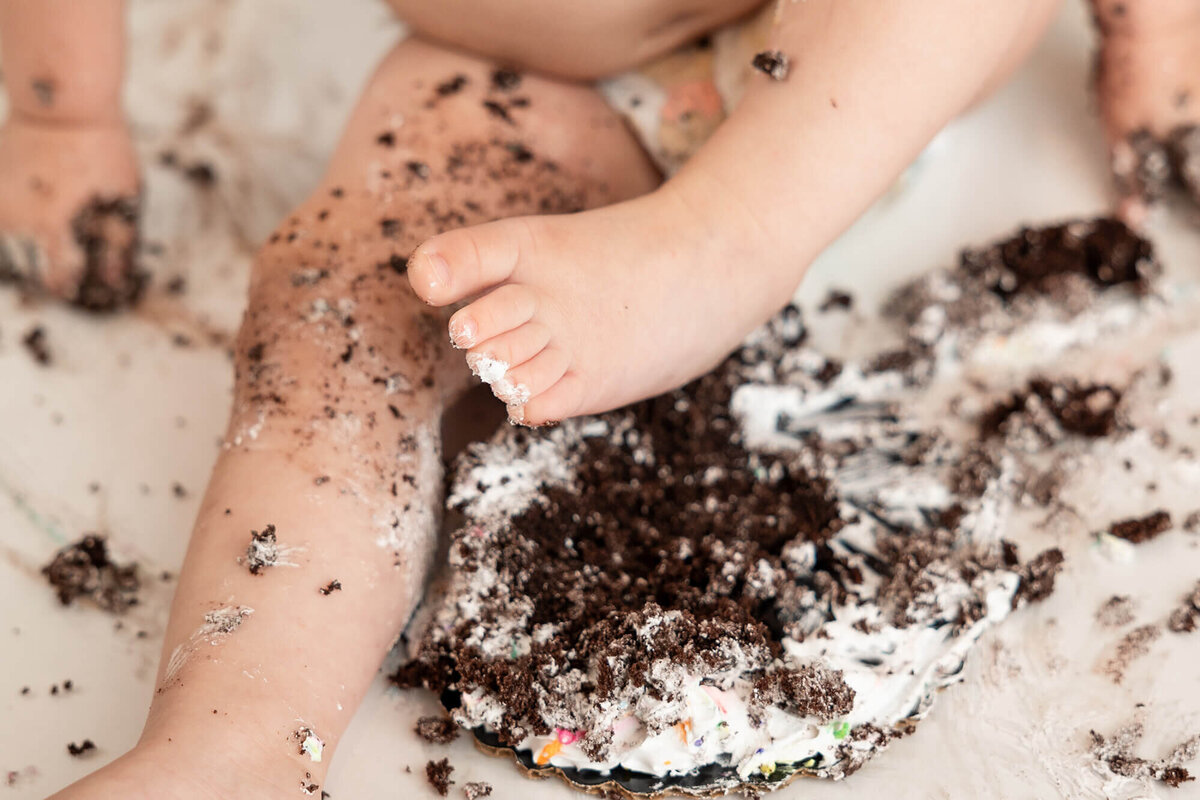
(548,752)
(767,768)
(565,736)
(699,742)
(840,729)
(684,728)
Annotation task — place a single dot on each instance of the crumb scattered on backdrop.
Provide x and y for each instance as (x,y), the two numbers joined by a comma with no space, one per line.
(1141,529)
(84,570)
(437,729)
(438,773)
(1116,612)
(1116,753)
(477,789)
(1186,617)
(35,344)
(1130,648)
(82,749)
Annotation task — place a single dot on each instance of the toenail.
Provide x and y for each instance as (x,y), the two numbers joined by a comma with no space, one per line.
(462,333)
(439,270)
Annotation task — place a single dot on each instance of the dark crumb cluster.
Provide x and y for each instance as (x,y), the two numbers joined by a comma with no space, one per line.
(35,344)
(1141,529)
(1116,753)
(82,749)
(107,231)
(476,789)
(1052,408)
(331,587)
(668,514)
(437,730)
(772,63)
(1038,260)
(84,570)
(262,552)
(1186,617)
(438,773)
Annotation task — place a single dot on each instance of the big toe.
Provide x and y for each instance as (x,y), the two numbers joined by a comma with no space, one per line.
(458,264)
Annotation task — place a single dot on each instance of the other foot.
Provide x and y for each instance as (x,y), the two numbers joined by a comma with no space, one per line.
(583,313)
(69,212)
(1148,82)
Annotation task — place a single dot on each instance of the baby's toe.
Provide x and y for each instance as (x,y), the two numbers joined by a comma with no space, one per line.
(458,264)
(524,382)
(493,314)
(514,347)
(561,401)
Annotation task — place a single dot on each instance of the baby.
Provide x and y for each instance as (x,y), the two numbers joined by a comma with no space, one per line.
(777,123)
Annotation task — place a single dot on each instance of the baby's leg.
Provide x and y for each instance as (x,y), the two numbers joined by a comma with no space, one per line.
(68,174)
(646,295)
(1148,81)
(333,454)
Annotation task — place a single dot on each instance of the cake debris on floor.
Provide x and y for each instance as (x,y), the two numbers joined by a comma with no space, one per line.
(82,749)
(1141,529)
(438,774)
(85,570)
(476,789)
(1116,753)
(1186,617)
(437,729)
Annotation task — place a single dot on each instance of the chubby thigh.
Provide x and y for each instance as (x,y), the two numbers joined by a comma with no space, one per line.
(583,41)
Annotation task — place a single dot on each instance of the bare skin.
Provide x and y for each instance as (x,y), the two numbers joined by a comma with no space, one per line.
(342,375)
(593,311)
(1148,83)
(64,146)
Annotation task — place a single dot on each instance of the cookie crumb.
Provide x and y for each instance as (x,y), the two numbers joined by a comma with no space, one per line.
(35,343)
(1141,529)
(438,773)
(477,789)
(772,63)
(331,587)
(84,569)
(80,750)
(437,729)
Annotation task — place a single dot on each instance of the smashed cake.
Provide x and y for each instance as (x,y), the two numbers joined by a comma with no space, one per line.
(767,573)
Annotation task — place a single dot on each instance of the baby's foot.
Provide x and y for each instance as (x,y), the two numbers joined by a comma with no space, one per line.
(583,313)
(68,212)
(1148,81)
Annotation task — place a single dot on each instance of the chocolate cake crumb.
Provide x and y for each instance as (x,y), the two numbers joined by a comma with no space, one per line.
(1037,577)
(1141,529)
(178,490)
(107,231)
(418,169)
(505,80)
(80,750)
(35,343)
(386,139)
(1192,523)
(438,773)
(497,110)
(1036,260)
(84,569)
(452,86)
(476,789)
(437,730)
(1116,612)
(1088,410)
(1116,753)
(1132,646)
(772,63)
(1186,618)
(836,299)
(263,550)
(176,286)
